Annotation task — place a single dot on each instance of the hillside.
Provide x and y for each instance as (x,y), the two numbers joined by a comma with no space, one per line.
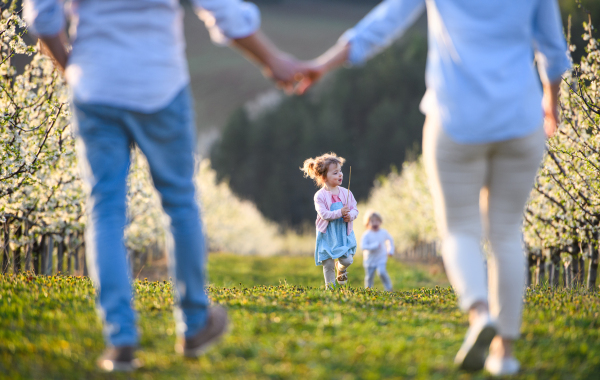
(222,79)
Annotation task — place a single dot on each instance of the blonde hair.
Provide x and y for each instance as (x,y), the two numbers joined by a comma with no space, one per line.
(372,214)
(316,168)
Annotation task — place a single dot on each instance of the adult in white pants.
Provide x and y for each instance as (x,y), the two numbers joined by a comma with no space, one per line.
(483,135)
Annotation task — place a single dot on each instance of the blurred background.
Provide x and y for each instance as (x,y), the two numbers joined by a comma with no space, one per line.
(257,138)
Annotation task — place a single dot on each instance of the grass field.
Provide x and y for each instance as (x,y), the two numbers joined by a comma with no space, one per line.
(49,329)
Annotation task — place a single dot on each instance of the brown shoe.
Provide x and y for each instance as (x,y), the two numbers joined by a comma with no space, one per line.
(120,359)
(216,326)
(340,276)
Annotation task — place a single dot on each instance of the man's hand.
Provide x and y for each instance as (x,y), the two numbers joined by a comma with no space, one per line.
(550,106)
(313,70)
(56,48)
(282,68)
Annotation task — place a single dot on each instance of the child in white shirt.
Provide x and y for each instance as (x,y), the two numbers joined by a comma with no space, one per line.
(377,245)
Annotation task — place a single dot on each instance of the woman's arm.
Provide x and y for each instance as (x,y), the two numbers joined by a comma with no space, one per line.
(374,33)
(552,58)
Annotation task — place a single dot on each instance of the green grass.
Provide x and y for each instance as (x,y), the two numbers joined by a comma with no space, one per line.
(49,328)
(229,270)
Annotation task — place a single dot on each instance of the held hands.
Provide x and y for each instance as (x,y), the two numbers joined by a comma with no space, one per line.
(295,76)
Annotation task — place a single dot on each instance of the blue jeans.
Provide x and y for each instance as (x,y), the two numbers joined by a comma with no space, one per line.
(167,138)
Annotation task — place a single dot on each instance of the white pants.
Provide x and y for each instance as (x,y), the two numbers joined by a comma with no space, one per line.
(329,268)
(485,184)
(383,275)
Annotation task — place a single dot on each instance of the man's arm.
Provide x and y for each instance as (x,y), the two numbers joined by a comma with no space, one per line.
(275,64)
(237,23)
(46,19)
(55,47)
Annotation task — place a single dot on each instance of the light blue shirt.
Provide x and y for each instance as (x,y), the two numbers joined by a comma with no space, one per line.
(480,75)
(131,53)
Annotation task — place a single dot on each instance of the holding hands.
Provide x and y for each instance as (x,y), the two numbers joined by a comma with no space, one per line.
(290,74)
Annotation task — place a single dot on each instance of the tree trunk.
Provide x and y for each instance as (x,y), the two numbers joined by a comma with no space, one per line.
(6,248)
(17,252)
(37,254)
(28,247)
(49,256)
(581,270)
(554,275)
(60,254)
(85,268)
(574,275)
(567,275)
(593,268)
(540,275)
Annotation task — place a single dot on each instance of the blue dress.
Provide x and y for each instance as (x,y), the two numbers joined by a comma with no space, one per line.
(335,242)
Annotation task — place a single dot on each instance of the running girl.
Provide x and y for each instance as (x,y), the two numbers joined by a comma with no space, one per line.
(336,209)
(377,245)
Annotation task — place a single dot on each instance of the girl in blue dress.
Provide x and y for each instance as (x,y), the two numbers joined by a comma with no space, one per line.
(336,211)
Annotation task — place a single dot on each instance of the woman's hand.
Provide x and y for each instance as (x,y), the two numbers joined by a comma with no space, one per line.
(550,106)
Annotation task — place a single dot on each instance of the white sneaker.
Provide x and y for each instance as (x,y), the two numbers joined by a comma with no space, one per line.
(472,353)
(502,366)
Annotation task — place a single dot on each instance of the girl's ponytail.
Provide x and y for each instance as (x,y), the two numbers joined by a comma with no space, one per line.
(309,168)
(316,168)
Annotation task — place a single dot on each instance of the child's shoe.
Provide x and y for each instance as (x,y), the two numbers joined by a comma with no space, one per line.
(502,366)
(471,356)
(341,276)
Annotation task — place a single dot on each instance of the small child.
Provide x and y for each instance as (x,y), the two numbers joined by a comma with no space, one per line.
(336,209)
(377,245)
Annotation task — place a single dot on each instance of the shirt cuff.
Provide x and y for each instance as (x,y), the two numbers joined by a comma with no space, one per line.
(356,54)
(46,21)
(245,22)
(556,71)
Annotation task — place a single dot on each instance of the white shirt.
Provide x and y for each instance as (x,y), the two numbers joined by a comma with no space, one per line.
(131,53)
(376,246)
(480,74)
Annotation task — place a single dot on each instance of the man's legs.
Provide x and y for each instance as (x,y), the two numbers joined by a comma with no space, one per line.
(104,147)
(168,140)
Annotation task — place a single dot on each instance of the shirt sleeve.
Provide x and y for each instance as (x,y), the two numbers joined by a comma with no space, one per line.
(44,17)
(228,19)
(378,29)
(368,244)
(391,241)
(549,42)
